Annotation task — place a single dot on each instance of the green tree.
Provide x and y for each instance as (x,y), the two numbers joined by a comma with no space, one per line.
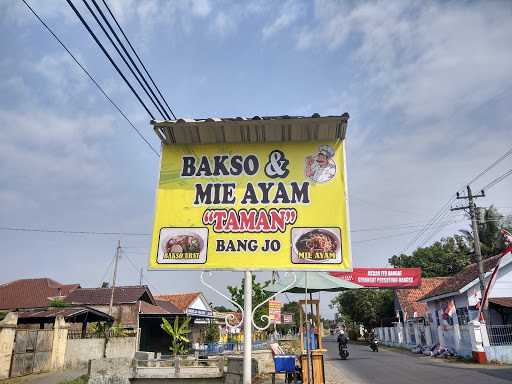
(293,308)
(221,308)
(258,296)
(450,255)
(491,222)
(443,258)
(365,306)
(212,333)
(178,333)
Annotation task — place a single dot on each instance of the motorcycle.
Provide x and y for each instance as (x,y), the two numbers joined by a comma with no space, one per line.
(343,351)
(374,345)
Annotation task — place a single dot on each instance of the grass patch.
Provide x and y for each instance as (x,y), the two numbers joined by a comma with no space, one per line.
(79,380)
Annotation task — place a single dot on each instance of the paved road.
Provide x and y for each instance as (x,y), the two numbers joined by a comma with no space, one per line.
(390,367)
(47,378)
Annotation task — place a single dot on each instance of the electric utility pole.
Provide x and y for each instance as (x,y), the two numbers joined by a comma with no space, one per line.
(474,225)
(141,277)
(114,277)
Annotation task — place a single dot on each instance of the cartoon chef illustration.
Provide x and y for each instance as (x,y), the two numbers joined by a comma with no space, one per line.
(321,167)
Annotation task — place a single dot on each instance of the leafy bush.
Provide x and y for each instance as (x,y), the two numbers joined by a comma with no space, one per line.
(58,303)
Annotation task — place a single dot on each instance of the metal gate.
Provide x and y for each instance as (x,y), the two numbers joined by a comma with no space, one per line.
(32,351)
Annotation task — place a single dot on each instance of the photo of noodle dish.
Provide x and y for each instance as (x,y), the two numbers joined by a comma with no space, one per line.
(316,245)
(182,245)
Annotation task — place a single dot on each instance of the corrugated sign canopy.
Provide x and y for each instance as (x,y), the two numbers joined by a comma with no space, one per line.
(252,130)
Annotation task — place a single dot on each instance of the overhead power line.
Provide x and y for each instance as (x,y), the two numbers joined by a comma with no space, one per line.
(98,42)
(68,232)
(136,268)
(418,224)
(386,208)
(100,88)
(138,57)
(496,162)
(497,180)
(140,78)
(400,234)
(445,208)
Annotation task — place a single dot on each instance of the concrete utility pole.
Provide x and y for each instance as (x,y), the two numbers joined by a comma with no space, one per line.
(141,277)
(474,225)
(114,277)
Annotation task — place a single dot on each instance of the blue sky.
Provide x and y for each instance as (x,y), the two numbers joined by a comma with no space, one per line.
(428,86)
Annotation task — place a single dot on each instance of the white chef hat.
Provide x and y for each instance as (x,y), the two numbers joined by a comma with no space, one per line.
(326,150)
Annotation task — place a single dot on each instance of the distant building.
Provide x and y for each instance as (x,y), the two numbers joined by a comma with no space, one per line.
(463,289)
(195,305)
(407,306)
(33,293)
(126,304)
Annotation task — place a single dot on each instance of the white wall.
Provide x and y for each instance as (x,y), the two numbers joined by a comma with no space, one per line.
(503,285)
(499,353)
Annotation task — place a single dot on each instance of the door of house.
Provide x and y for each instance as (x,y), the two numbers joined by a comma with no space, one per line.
(32,351)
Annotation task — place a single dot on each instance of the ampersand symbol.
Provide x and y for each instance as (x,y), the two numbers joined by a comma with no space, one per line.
(276,166)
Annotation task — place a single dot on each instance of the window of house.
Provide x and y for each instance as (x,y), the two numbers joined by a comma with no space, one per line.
(463,316)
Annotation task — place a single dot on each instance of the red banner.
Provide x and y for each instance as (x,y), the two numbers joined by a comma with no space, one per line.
(274,311)
(383,277)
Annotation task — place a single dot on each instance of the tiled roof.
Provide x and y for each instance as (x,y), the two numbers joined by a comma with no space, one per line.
(150,309)
(169,307)
(32,293)
(461,279)
(252,129)
(101,296)
(408,298)
(181,300)
(162,308)
(69,314)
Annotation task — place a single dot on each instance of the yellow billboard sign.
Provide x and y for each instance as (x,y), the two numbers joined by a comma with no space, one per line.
(278,206)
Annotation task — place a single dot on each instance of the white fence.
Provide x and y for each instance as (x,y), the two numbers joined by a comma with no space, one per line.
(496,339)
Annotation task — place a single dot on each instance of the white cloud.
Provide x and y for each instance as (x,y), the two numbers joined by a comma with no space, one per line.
(223,23)
(424,60)
(41,151)
(289,13)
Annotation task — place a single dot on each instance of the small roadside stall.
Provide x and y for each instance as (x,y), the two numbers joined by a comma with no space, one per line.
(311,330)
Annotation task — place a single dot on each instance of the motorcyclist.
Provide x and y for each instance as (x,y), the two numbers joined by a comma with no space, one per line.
(342,339)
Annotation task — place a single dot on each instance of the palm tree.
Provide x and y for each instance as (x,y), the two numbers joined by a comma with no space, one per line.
(489,226)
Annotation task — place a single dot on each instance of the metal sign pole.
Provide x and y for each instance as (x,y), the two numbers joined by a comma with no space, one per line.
(247,327)
(308,341)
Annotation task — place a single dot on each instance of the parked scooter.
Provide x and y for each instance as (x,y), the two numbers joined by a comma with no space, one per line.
(374,345)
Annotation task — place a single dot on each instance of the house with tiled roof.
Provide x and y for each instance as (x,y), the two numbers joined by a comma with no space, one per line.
(454,304)
(193,303)
(406,300)
(190,304)
(463,289)
(126,304)
(32,293)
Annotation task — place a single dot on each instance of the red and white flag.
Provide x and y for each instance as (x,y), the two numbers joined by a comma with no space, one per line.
(508,238)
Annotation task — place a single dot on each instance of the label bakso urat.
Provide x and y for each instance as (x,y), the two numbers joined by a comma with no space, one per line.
(275,206)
